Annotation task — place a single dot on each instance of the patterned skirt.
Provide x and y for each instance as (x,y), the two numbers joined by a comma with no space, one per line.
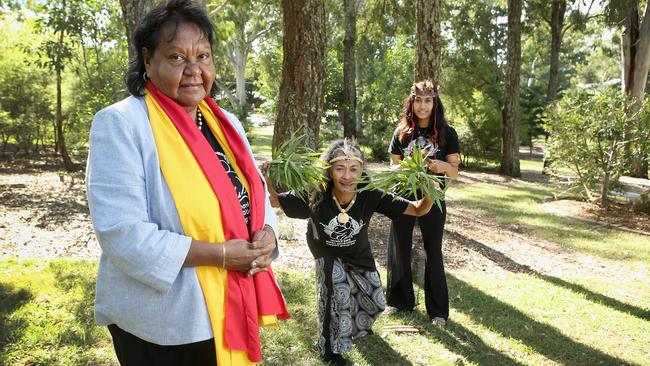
(349,301)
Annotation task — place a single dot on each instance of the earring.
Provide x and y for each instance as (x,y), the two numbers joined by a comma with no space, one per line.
(145,76)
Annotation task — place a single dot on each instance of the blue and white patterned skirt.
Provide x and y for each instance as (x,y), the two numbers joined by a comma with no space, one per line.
(349,301)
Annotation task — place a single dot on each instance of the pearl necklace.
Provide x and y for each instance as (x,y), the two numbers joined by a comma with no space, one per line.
(343,217)
(199,119)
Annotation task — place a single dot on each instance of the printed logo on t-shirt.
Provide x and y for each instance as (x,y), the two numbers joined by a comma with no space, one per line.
(424,144)
(342,235)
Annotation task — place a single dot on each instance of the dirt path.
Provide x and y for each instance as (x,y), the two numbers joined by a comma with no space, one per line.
(44,215)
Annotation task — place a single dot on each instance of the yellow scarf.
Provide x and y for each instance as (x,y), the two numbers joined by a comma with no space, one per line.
(200,214)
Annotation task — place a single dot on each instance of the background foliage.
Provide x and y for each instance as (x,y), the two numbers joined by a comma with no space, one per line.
(471,86)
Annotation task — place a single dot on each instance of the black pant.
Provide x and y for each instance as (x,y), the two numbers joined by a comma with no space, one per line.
(133,351)
(400,280)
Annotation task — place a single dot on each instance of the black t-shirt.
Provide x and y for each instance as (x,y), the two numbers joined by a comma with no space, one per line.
(405,146)
(418,138)
(242,193)
(349,241)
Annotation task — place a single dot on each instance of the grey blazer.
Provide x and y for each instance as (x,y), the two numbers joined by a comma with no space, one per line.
(142,286)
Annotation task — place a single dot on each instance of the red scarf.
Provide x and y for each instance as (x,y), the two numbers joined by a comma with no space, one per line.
(247,297)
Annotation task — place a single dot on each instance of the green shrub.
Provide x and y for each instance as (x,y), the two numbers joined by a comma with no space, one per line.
(587,138)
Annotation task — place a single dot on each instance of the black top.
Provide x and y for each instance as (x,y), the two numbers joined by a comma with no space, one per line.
(405,146)
(349,241)
(418,138)
(241,191)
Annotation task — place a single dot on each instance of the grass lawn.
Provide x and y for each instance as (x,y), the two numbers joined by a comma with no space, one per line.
(518,203)
(46,306)
(510,319)
(46,314)
(260,139)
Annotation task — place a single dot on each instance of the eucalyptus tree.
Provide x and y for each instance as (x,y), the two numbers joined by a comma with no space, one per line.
(300,103)
(560,16)
(510,110)
(635,49)
(60,21)
(132,13)
(240,25)
(428,40)
(385,62)
(25,95)
(349,109)
(471,84)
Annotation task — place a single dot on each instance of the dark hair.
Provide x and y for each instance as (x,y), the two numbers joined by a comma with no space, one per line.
(437,128)
(149,31)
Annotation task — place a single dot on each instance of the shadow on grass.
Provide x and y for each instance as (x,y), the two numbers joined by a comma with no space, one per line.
(643,314)
(11,328)
(376,351)
(509,322)
(552,227)
(301,331)
(461,341)
(510,265)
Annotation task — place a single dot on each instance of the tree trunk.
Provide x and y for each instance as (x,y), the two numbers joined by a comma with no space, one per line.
(510,111)
(558,8)
(240,56)
(639,78)
(357,115)
(132,12)
(635,55)
(604,191)
(67,162)
(300,103)
(427,44)
(628,47)
(349,74)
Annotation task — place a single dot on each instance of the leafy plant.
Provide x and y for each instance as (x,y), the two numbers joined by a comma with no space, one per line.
(296,167)
(410,179)
(587,138)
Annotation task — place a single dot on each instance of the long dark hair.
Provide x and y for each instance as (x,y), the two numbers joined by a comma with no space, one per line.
(148,34)
(437,128)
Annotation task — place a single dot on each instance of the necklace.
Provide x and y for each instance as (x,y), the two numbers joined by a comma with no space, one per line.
(343,217)
(199,119)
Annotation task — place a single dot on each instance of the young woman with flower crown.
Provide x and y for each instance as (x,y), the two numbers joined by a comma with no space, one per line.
(423,124)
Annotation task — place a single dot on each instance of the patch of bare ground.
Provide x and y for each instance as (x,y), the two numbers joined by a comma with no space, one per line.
(44,214)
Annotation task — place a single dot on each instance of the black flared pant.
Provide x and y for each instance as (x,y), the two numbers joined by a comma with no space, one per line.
(400,279)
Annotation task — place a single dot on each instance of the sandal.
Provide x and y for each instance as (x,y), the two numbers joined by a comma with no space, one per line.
(438,322)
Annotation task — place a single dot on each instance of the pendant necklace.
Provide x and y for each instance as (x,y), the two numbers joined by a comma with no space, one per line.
(343,217)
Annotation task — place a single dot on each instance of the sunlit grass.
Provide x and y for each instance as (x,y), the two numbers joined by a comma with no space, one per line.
(544,318)
(493,165)
(261,139)
(519,203)
(47,314)
(504,319)
(534,165)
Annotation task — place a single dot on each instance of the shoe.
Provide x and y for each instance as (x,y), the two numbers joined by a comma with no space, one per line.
(438,322)
(334,359)
(390,310)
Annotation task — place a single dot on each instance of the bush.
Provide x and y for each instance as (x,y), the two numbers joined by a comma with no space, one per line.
(587,139)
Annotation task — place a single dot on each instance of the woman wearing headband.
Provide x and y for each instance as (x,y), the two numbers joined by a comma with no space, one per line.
(348,289)
(423,124)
